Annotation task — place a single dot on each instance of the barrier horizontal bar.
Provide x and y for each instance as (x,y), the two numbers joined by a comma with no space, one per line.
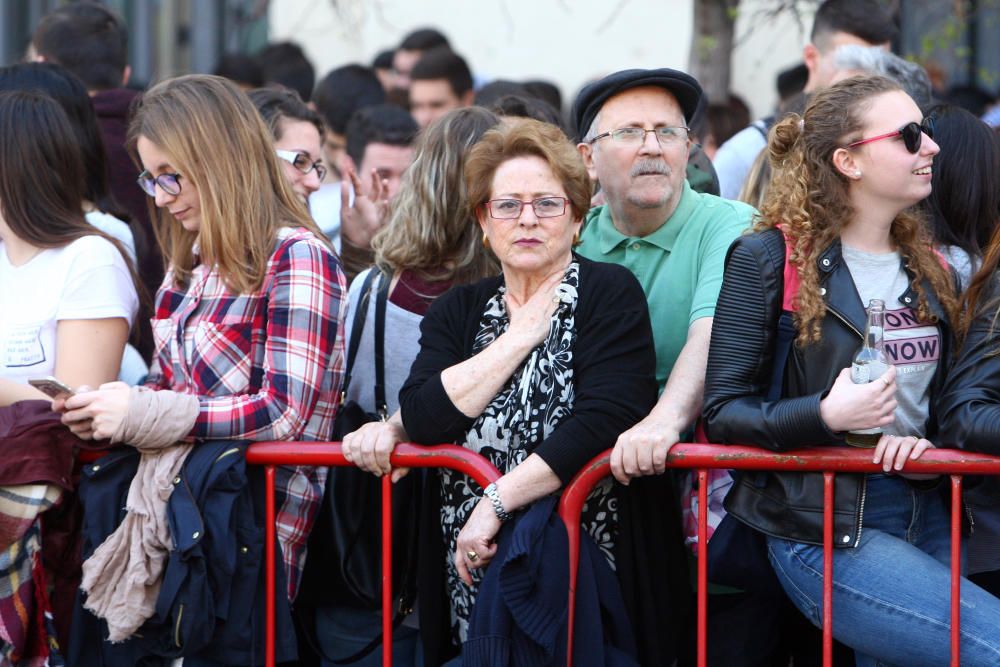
(405,455)
(828,460)
(821,459)
(273,453)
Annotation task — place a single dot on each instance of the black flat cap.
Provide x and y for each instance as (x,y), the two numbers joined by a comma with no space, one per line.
(593,96)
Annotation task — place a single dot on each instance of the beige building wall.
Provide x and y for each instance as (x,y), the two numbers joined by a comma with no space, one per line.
(566,41)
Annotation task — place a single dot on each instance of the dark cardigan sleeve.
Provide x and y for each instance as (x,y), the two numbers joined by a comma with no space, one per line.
(969,407)
(613,369)
(429,415)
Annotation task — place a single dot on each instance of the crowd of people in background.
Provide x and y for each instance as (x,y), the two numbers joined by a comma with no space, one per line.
(402,252)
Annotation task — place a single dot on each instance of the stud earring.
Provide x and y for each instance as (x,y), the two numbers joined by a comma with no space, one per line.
(857,173)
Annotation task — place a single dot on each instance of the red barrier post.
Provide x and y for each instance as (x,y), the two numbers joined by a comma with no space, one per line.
(405,455)
(956,579)
(827,569)
(269,539)
(386,570)
(702,645)
(570,506)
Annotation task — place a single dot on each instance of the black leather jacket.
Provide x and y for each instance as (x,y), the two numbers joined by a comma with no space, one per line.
(969,406)
(788,505)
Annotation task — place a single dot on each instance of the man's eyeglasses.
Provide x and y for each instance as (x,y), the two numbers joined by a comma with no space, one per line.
(169,183)
(636,135)
(912,134)
(509,209)
(301,162)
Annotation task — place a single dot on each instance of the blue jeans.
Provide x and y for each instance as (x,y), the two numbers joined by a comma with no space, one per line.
(891,592)
(342,632)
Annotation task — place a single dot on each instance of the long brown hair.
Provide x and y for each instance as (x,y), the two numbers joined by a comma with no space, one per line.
(809,198)
(980,296)
(216,139)
(430,229)
(42,177)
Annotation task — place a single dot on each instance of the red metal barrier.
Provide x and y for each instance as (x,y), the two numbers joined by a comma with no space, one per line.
(828,460)
(271,454)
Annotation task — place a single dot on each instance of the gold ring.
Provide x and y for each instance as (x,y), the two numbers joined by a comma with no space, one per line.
(472,555)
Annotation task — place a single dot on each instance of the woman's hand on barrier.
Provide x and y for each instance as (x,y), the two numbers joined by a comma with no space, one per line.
(370,447)
(530,321)
(475,547)
(850,406)
(97,414)
(893,451)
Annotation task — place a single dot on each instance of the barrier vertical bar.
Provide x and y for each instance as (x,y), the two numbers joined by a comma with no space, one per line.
(827,569)
(956,561)
(387,570)
(269,557)
(702,644)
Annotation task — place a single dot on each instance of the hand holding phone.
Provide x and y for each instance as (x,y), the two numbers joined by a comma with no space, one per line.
(52,387)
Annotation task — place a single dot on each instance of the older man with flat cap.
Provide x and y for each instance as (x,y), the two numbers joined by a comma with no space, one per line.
(635,143)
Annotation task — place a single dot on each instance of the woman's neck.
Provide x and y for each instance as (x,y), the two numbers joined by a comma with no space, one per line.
(522,286)
(870,227)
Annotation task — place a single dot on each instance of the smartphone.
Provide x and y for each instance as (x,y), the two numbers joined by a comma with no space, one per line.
(52,387)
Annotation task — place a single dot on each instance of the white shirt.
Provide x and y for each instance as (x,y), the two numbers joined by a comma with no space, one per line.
(736,156)
(115,228)
(85,280)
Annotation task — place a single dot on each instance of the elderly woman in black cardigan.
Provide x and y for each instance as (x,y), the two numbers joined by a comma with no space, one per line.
(538,369)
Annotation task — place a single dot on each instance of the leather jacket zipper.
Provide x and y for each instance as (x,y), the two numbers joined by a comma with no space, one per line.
(845,321)
(864,479)
(861,510)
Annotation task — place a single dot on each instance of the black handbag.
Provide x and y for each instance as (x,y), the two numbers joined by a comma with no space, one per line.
(344,561)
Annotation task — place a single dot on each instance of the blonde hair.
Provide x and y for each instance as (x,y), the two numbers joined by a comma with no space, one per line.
(808,198)
(215,139)
(430,230)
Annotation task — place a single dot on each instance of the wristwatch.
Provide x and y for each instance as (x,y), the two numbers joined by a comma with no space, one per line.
(493,494)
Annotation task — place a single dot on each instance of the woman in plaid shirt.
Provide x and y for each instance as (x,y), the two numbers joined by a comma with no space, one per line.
(247,318)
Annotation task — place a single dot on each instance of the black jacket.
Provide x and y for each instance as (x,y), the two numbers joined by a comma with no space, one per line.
(211,601)
(969,406)
(789,505)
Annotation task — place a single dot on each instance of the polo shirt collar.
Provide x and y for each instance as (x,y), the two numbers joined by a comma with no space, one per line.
(610,238)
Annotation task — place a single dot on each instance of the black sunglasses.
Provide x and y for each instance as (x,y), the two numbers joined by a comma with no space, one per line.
(912,134)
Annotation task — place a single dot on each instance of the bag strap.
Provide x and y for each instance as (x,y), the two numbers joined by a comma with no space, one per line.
(381,407)
(356,330)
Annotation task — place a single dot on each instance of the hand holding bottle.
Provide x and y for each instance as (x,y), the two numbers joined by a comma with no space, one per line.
(850,407)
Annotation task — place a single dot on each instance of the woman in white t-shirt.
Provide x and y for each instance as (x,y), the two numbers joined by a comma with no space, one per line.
(67,292)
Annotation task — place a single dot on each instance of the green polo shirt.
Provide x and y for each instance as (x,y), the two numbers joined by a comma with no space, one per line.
(679,265)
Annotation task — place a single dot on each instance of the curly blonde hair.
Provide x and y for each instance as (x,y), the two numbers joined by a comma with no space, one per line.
(808,198)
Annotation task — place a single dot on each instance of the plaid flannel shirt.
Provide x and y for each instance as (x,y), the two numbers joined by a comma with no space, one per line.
(265,366)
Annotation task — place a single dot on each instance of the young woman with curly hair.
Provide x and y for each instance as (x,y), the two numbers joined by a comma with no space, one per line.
(846,175)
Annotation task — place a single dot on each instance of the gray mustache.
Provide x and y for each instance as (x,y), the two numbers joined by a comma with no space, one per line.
(649,167)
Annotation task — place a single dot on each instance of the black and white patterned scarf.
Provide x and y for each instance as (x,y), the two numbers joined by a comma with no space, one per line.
(535,400)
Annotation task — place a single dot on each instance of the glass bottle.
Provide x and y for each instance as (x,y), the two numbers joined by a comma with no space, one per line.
(869,365)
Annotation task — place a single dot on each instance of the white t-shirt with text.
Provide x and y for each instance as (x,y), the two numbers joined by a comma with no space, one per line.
(85,280)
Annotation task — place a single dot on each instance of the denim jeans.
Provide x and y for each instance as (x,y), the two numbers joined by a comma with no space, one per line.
(891,592)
